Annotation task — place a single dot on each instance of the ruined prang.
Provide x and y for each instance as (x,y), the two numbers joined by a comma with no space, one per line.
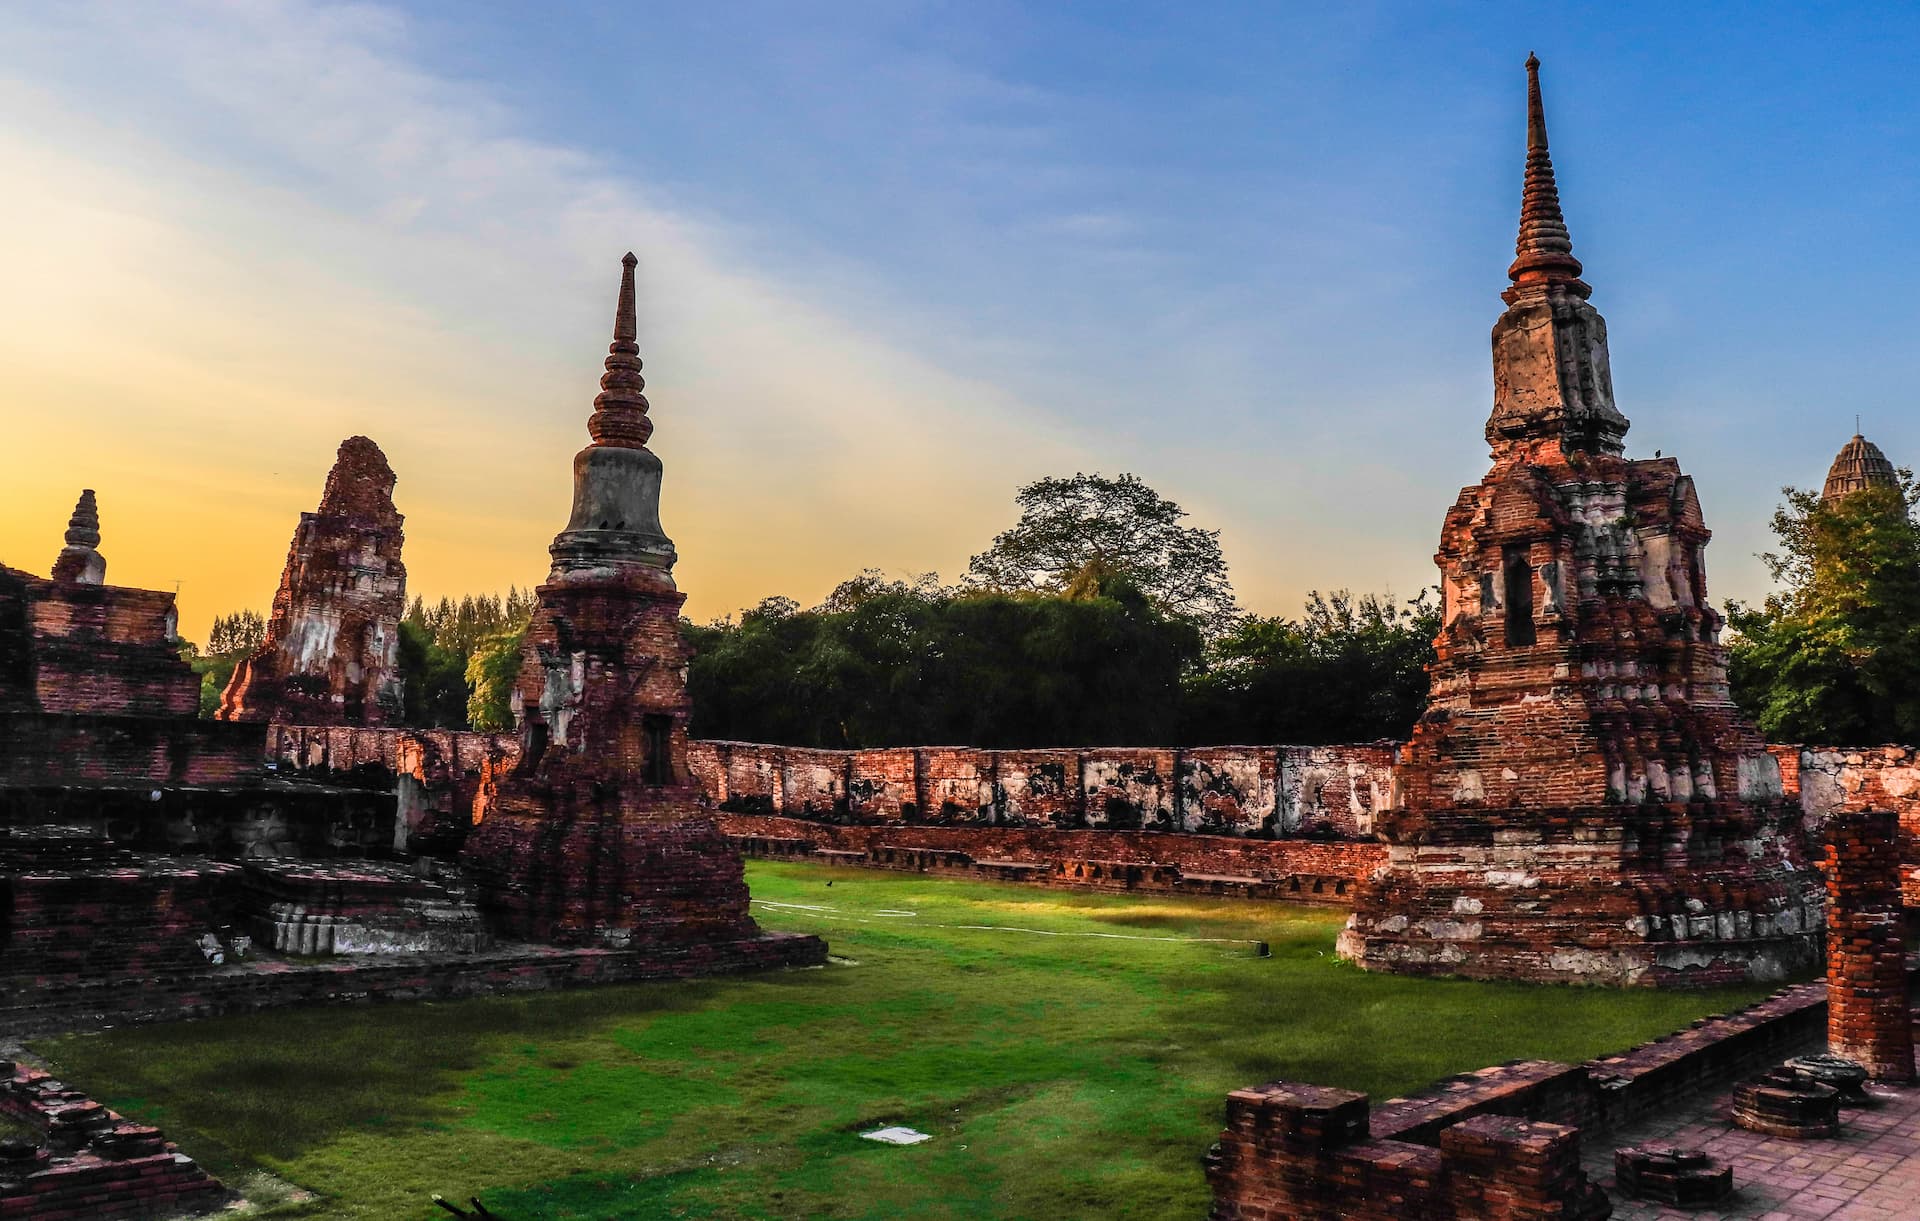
(598,836)
(1582,801)
(332,648)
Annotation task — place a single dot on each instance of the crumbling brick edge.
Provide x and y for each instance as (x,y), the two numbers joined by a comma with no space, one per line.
(90,1161)
(249,987)
(1312,1151)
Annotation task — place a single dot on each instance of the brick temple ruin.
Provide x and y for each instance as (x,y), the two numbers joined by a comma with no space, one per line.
(332,649)
(1581,801)
(157,865)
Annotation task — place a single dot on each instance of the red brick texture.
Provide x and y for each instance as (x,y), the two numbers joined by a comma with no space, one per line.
(1869,1018)
(574,845)
(1500,1142)
(91,1162)
(332,648)
(1304,871)
(106,649)
(1317,791)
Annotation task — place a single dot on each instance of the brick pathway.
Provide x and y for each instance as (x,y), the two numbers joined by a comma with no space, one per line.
(1870,1172)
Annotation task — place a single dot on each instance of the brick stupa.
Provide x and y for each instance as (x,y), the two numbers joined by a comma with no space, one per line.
(1582,802)
(598,836)
(332,650)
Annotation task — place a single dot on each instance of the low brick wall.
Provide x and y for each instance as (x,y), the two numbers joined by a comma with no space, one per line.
(1511,1132)
(70,749)
(267,984)
(1305,871)
(1219,790)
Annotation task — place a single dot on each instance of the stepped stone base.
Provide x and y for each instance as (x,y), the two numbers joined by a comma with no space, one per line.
(1671,896)
(363,907)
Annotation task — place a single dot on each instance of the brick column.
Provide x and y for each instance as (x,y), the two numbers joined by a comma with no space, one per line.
(1505,1169)
(1868,1019)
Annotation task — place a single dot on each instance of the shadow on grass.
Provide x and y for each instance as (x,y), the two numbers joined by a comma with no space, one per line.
(330,1070)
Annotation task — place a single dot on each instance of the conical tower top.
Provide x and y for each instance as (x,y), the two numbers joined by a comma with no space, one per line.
(79,562)
(1543,253)
(620,412)
(1859,464)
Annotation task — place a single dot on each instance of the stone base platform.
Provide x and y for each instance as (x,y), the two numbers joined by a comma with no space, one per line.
(1654,897)
(27,1010)
(360,907)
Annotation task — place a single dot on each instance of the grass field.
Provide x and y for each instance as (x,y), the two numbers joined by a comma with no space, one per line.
(1073,1070)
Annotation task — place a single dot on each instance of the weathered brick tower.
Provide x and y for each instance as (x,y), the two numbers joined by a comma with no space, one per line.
(1582,802)
(597,837)
(332,650)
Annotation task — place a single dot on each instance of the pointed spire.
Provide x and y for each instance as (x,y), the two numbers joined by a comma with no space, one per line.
(83,528)
(1860,464)
(78,561)
(1544,250)
(620,412)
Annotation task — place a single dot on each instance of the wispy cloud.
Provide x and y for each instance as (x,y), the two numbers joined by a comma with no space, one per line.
(259,227)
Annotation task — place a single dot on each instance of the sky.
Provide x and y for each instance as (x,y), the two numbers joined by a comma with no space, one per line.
(899,258)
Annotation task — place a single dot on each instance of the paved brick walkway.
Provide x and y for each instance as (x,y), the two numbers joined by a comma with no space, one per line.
(1870,1172)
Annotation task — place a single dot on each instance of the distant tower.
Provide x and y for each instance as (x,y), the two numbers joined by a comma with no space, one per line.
(1858,465)
(1581,801)
(79,562)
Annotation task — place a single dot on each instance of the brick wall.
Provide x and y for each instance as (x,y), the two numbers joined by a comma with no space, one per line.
(1500,1142)
(1319,791)
(1868,1017)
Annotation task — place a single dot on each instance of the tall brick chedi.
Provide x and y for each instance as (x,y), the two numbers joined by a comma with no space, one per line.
(331,655)
(1581,802)
(597,834)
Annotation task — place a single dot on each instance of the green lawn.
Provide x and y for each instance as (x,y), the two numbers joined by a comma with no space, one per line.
(1066,1075)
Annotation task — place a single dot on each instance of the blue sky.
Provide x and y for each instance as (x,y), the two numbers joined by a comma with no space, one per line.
(899,258)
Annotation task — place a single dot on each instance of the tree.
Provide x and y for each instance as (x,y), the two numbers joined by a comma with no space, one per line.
(229,641)
(491,673)
(892,663)
(1119,526)
(1350,669)
(1834,656)
(240,632)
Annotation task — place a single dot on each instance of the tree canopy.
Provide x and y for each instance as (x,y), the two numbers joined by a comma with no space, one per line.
(893,663)
(1110,527)
(1350,669)
(1834,656)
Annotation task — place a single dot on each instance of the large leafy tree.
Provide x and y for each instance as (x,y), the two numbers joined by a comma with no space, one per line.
(1834,655)
(1110,527)
(892,663)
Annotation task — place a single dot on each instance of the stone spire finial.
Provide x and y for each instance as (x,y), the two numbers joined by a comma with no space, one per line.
(615,521)
(620,412)
(78,561)
(1544,250)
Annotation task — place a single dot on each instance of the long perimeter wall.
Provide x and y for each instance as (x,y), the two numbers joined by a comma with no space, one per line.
(1285,821)
(1310,792)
